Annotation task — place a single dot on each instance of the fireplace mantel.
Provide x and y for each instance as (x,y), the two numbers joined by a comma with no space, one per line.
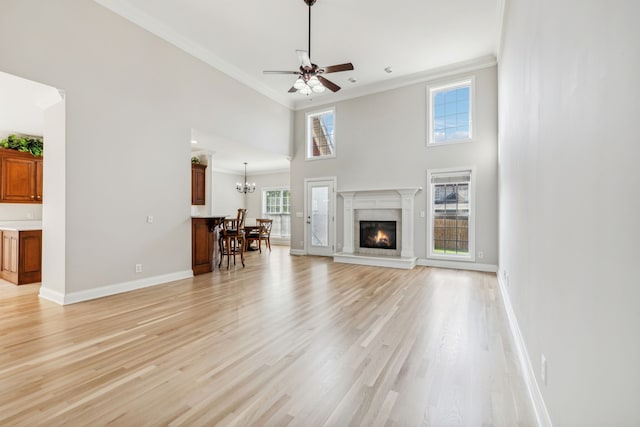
(383,198)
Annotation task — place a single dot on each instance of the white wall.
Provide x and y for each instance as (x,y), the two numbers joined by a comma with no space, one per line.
(226,199)
(380,143)
(569,201)
(131,102)
(54,225)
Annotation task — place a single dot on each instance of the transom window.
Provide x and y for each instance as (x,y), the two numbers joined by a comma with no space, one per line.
(276,205)
(451,214)
(450,112)
(321,134)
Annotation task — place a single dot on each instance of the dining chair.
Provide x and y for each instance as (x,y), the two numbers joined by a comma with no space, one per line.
(262,232)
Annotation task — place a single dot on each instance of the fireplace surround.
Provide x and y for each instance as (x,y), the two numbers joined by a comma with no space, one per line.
(383,205)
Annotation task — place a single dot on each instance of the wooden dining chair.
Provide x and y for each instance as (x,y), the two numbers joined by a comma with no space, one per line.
(263,232)
(232,238)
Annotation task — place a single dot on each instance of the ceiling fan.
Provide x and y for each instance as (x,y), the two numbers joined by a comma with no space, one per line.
(310,76)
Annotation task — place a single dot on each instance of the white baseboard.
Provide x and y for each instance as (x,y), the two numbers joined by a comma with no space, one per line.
(539,407)
(117,288)
(458,265)
(297,252)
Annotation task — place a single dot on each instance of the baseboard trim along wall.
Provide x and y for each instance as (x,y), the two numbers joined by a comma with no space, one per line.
(297,252)
(539,407)
(490,268)
(117,288)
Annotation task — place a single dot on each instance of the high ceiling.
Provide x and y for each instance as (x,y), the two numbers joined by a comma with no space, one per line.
(416,38)
(243,38)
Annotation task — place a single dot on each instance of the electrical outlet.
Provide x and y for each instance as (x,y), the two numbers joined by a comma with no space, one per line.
(138,268)
(480,254)
(150,219)
(421,214)
(543,368)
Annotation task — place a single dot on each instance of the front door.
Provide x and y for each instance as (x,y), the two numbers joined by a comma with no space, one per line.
(320,216)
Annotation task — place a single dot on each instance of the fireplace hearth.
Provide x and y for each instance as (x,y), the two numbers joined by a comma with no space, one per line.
(378,234)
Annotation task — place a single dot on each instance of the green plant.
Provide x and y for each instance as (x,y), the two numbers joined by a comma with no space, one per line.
(25,144)
(195,160)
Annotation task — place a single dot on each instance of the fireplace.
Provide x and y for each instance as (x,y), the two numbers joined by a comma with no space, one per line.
(378,234)
(378,227)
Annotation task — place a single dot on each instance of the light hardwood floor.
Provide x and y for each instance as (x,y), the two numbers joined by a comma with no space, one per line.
(297,341)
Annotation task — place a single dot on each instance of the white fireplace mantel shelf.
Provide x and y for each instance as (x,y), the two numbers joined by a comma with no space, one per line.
(404,190)
(380,198)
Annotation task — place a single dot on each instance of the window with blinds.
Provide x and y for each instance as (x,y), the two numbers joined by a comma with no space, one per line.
(276,205)
(451,214)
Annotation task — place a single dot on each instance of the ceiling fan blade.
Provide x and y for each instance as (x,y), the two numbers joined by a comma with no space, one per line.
(280,72)
(337,68)
(293,90)
(329,84)
(303,58)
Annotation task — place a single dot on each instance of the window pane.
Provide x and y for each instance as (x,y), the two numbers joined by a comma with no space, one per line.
(462,94)
(453,107)
(450,96)
(320,138)
(450,218)
(277,205)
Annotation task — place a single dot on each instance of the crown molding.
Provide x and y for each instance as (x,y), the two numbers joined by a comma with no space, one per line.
(410,79)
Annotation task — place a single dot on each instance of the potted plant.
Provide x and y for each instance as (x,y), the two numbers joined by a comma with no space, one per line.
(24,144)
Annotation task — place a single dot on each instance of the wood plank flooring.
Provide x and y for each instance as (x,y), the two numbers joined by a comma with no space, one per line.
(286,341)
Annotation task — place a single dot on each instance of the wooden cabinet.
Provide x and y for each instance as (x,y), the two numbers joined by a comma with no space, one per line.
(198,184)
(203,243)
(20,177)
(21,256)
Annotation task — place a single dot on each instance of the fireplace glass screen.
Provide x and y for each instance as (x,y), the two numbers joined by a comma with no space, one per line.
(378,234)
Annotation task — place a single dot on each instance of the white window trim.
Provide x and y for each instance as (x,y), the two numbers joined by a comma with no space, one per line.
(472,216)
(431,89)
(307,135)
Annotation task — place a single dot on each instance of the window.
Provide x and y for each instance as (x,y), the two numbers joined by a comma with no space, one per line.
(321,134)
(276,205)
(451,214)
(450,112)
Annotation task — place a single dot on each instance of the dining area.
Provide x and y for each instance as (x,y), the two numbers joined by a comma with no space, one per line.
(223,241)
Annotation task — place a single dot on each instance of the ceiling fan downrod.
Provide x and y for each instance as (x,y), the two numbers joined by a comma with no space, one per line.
(309,3)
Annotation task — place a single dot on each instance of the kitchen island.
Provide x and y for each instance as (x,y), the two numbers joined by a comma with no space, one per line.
(21,251)
(203,242)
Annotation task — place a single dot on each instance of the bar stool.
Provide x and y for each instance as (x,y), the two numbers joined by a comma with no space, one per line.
(232,239)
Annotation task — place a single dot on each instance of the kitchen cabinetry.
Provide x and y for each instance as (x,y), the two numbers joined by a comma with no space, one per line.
(21,256)
(198,184)
(203,243)
(20,177)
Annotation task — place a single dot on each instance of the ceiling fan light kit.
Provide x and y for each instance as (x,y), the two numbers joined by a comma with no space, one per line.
(309,75)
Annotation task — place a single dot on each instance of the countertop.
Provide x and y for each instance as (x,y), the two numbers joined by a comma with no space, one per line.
(21,225)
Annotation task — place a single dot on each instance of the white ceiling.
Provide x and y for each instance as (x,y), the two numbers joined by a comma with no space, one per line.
(243,38)
(416,38)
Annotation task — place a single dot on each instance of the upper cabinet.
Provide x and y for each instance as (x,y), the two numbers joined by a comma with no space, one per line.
(198,184)
(20,177)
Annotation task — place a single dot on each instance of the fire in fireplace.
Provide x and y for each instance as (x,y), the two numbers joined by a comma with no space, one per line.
(378,234)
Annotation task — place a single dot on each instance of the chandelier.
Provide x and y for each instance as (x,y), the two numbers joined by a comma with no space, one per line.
(246,188)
